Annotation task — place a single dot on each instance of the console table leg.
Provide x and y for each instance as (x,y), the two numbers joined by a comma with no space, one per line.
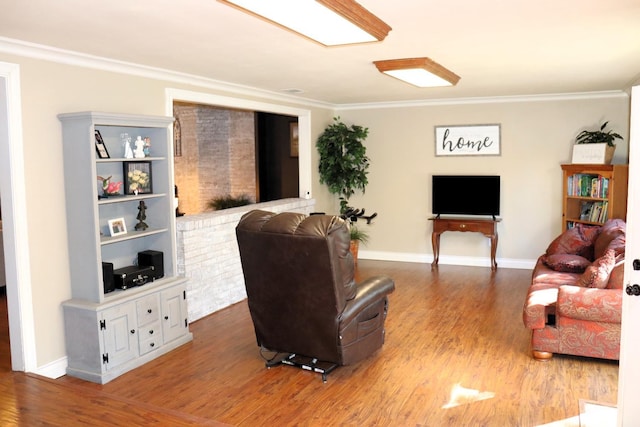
(435,244)
(494,246)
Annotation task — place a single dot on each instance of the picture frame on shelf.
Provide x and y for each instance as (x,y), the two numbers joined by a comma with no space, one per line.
(137,178)
(101,148)
(117,227)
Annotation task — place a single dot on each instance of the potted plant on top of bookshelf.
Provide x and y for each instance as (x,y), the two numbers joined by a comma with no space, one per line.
(595,146)
(343,160)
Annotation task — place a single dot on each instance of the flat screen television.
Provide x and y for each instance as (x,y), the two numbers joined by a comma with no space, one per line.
(465,195)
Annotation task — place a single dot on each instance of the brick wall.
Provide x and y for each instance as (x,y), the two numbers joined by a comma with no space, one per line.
(207,254)
(218,155)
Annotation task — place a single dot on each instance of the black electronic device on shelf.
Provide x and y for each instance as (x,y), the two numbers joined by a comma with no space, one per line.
(153,259)
(132,275)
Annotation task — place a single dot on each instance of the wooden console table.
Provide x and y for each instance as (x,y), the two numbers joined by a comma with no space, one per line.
(488,227)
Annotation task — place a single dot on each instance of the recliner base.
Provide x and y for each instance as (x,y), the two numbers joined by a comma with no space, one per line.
(304,362)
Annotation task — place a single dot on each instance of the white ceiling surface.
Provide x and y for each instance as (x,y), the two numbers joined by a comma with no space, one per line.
(498,47)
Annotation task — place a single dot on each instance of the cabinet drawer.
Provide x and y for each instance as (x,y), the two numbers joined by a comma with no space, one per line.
(463,225)
(150,337)
(148,309)
(149,345)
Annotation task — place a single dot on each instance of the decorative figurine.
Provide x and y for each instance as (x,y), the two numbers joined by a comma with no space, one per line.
(147,146)
(126,142)
(139,152)
(109,188)
(142,215)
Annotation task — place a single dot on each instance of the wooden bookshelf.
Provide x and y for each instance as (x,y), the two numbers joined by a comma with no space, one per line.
(592,194)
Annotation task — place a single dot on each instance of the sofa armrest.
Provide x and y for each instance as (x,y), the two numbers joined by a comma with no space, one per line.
(592,304)
(369,291)
(540,301)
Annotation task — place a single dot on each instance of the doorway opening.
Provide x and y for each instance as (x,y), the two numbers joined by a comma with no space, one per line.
(273,161)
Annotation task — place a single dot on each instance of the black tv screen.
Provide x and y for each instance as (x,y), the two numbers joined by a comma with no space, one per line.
(465,195)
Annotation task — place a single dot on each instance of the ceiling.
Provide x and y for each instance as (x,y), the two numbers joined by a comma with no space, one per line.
(498,47)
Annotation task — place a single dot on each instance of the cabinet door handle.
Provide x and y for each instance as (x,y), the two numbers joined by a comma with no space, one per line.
(151,332)
(166,317)
(133,331)
(149,311)
(152,344)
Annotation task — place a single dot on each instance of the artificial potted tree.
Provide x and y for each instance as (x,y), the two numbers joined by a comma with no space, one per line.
(343,160)
(605,149)
(343,168)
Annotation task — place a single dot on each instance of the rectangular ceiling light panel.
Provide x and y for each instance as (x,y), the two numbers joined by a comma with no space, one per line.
(420,72)
(329,22)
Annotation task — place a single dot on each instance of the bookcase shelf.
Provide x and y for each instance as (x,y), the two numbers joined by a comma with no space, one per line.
(592,194)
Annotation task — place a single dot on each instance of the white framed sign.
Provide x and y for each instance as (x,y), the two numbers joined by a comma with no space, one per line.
(468,140)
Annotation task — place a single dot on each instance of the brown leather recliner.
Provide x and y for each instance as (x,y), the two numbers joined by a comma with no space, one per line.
(303,299)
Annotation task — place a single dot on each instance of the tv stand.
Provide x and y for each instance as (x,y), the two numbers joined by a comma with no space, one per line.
(486,226)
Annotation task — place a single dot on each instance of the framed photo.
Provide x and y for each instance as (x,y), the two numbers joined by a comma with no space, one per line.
(117,227)
(137,178)
(293,139)
(101,149)
(471,140)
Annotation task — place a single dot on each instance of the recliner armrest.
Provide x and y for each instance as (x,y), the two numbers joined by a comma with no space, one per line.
(369,291)
(592,304)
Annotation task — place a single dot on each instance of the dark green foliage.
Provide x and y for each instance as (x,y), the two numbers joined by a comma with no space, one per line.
(228,201)
(343,160)
(598,136)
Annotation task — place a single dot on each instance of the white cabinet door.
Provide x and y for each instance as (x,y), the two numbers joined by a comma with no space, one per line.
(120,335)
(174,313)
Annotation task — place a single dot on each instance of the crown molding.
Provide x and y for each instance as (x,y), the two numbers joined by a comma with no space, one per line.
(67,57)
(486,100)
(62,56)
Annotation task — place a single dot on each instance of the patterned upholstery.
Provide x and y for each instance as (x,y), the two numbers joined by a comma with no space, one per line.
(568,318)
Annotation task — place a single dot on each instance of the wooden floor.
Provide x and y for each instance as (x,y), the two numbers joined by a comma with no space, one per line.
(456,353)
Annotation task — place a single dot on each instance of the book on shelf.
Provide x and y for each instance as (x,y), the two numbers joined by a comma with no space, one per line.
(594,211)
(588,185)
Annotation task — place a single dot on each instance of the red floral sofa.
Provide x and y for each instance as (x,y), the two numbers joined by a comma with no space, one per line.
(574,303)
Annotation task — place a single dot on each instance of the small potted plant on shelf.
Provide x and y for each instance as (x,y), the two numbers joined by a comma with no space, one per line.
(600,153)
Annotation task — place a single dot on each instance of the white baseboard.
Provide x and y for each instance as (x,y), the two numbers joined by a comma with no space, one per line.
(53,370)
(526,264)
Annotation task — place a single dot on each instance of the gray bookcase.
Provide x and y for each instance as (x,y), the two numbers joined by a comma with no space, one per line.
(109,333)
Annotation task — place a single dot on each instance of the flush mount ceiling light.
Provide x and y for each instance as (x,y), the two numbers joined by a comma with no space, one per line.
(421,72)
(329,22)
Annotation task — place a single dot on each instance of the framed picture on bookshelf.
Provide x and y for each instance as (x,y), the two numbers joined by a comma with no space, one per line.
(101,148)
(137,178)
(467,140)
(117,227)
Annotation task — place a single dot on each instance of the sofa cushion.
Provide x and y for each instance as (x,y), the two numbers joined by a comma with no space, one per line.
(614,229)
(544,277)
(567,263)
(597,274)
(575,241)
